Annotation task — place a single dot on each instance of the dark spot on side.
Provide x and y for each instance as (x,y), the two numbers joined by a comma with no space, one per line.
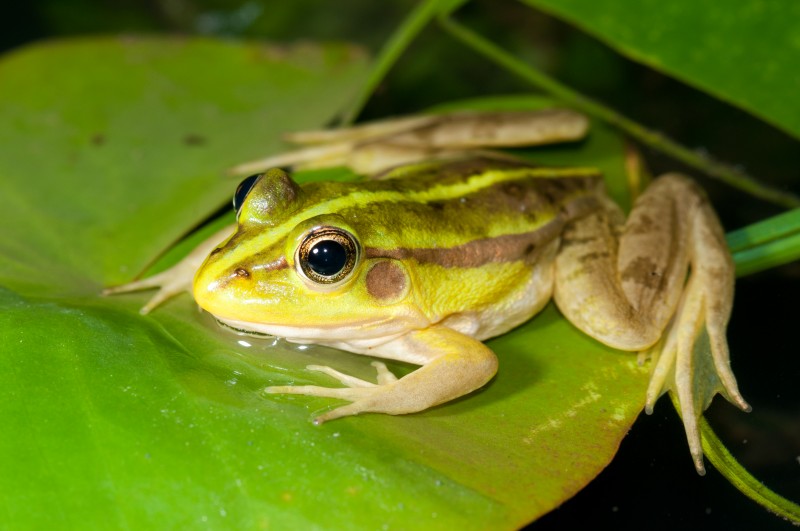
(386,281)
(718,272)
(644,225)
(530,249)
(512,189)
(193,139)
(643,271)
(549,197)
(567,241)
(98,139)
(242,272)
(590,257)
(436,205)
(530,215)
(553,191)
(216,251)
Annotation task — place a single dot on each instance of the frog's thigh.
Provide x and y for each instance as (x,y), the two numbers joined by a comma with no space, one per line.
(628,294)
(621,284)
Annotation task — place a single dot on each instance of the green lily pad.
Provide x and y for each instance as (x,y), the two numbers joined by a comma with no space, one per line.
(112,149)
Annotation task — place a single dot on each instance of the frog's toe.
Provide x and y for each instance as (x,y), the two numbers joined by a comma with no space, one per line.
(364,396)
(693,362)
(722,364)
(360,398)
(137,285)
(168,287)
(344,411)
(346,379)
(168,283)
(359,392)
(165,292)
(668,375)
(343,393)
(384,376)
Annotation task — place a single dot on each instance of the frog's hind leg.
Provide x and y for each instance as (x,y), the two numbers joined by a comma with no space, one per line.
(376,146)
(698,326)
(358,133)
(326,148)
(625,284)
(324,155)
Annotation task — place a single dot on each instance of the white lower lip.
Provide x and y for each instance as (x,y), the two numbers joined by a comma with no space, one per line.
(377,330)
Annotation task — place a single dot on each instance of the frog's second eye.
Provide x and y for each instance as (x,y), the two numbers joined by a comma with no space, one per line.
(327,255)
(242,190)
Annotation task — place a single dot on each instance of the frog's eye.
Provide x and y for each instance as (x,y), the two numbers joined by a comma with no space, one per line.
(242,190)
(327,255)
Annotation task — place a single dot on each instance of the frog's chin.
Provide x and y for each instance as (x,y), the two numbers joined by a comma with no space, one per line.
(352,333)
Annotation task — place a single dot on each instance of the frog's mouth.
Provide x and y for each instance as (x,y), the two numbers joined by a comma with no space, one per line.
(372,330)
(242,331)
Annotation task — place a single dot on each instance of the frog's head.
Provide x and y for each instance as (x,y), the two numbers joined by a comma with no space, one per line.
(297,267)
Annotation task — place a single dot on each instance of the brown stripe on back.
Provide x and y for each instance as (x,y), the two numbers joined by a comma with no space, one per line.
(498,249)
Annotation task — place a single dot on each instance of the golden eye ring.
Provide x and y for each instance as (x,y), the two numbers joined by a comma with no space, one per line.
(327,255)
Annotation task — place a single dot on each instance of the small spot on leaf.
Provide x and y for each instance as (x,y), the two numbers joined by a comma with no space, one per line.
(193,139)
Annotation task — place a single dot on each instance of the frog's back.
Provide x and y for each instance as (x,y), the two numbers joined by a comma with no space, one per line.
(445,204)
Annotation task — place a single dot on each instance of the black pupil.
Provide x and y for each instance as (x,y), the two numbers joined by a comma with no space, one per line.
(327,258)
(242,190)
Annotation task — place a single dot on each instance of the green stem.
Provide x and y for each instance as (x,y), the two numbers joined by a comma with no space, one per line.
(701,161)
(766,244)
(394,47)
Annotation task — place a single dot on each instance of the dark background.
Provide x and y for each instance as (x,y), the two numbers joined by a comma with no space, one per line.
(651,483)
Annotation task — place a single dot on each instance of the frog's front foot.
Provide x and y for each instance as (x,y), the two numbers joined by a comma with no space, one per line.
(364,396)
(174,280)
(170,282)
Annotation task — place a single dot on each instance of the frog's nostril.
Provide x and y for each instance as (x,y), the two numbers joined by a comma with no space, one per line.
(242,272)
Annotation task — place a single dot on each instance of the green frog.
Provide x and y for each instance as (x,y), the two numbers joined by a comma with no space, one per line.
(449,244)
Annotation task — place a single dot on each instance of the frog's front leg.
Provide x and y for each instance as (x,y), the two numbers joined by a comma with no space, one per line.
(452,365)
(626,286)
(177,278)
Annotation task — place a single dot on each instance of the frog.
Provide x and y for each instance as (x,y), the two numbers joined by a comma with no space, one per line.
(450,242)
